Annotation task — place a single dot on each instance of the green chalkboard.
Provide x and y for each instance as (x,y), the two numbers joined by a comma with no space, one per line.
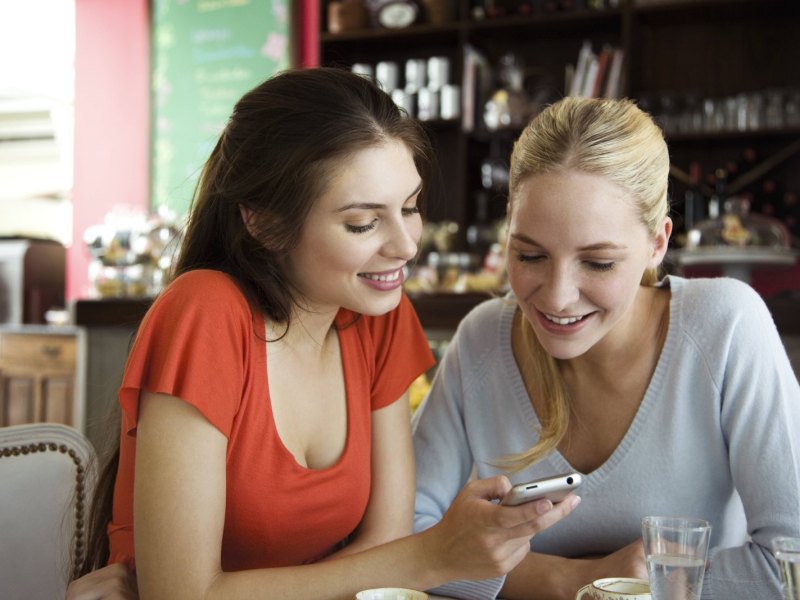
(205,55)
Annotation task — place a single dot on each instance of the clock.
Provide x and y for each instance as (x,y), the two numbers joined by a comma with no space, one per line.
(394,14)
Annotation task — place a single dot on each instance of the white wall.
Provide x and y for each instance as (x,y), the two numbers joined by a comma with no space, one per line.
(37,90)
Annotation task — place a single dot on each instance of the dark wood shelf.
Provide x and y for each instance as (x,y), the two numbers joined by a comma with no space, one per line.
(681,48)
(695,10)
(444,311)
(578,19)
(415,32)
(589,22)
(110,312)
(438,311)
(743,137)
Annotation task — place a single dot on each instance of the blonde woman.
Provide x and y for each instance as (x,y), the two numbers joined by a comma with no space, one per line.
(671,396)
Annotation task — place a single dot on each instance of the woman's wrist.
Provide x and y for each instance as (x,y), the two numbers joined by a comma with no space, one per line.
(548,577)
(430,554)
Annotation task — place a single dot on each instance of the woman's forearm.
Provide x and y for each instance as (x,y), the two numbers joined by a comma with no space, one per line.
(547,577)
(402,563)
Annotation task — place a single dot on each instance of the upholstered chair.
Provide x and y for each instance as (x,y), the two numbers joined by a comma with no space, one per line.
(47,474)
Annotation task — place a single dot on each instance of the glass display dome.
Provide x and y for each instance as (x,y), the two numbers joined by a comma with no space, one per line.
(737,241)
(739,229)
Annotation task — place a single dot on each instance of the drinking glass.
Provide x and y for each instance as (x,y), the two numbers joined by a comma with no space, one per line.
(675,550)
(787,551)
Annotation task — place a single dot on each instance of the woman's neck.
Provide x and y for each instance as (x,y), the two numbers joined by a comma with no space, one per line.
(307,333)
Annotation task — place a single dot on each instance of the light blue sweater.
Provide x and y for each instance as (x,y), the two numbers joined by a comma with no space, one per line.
(717,436)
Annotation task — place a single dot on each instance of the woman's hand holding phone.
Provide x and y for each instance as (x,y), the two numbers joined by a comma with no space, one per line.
(479,539)
(554,488)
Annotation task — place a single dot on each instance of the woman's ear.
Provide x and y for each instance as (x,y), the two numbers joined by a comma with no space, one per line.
(248,218)
(661,242)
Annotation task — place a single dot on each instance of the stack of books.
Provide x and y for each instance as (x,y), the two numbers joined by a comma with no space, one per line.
(596,74)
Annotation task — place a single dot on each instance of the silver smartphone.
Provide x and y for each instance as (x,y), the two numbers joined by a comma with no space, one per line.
(553,488)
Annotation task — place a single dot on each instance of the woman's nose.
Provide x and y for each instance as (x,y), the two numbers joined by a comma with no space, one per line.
(560,290)
(403,240)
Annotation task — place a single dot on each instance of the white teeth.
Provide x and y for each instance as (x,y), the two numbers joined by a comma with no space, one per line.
(564,320)
(390,277)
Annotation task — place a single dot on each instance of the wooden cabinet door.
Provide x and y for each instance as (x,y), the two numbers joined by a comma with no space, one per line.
(37,378)
(58,398)
(17,403)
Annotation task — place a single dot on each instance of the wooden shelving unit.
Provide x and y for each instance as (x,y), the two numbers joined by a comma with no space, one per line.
(682,48)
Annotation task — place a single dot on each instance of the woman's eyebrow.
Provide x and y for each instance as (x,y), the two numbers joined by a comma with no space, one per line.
(603,246)
(375,205)
(590,248)
(521,237)
(361,206)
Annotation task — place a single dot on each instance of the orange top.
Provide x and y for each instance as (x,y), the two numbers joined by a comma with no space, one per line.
(200,342)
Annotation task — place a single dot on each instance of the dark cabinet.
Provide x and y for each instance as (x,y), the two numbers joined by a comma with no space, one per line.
(684,61)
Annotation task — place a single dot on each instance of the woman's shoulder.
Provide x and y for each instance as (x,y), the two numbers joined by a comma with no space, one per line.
(206,278)
(484,322)
(204,283)
(719,295)
(713,309)
(202,289)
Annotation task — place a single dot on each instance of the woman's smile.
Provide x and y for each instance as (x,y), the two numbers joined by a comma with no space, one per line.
(385,280)
(564,325)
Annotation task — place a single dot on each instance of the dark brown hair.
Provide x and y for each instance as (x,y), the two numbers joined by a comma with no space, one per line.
(276,155)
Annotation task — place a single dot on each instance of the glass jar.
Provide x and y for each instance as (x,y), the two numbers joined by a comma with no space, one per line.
(738,228)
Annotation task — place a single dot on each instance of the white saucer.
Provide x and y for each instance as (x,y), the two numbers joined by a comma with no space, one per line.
(591,592)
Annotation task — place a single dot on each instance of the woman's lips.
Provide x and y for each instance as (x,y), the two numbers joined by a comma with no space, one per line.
(563,324)
(384,281)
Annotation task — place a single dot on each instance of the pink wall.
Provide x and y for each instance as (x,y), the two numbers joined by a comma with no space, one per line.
(111,120)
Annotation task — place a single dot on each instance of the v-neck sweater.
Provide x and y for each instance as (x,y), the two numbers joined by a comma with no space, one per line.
(716,436)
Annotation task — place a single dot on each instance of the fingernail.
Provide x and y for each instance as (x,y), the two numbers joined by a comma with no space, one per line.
(544,507)
(575,501)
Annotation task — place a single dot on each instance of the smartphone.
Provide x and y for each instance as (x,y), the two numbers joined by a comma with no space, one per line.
(553,488)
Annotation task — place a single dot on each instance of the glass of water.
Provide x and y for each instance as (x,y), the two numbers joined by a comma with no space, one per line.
(787,552)
(676,549)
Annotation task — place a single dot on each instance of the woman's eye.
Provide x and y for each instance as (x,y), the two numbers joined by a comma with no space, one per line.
(601,266)
(361,228)
(412,210)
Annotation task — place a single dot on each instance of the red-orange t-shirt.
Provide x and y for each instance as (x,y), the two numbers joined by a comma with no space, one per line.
(201,342)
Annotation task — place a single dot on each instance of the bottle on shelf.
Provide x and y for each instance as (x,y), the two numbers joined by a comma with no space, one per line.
(481,233)
(715,203)
(508,106)
(347,15)
(693,201)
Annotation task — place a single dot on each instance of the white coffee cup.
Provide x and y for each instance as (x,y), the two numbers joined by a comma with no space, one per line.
(363,69)
(427,104)
(438,72)
(391,594)
(450,102)
(615,588)
(404,100)
(416,70)
(386,73)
